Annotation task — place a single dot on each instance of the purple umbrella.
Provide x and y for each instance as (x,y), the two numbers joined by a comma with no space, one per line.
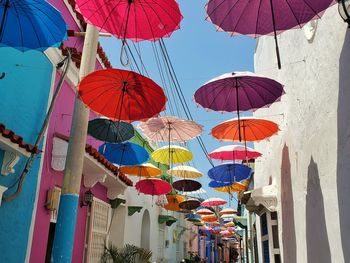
(264,17)
(238,91)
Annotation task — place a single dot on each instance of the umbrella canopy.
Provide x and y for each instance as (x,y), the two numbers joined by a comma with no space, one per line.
(173,202)
(230,173)
(28,24)
(106,130)
(228,211)
(190,204)
(153,186)
(205,228)
(229,224)
(135,20)
(198,223)
(172,155)
(185,171)
(192,216)
(204,211)
(236,187)
(125,153)
(143,170)
(187,185)
(122,95)
(233,152)
(214,201)
(227,217)
(258,17)
(252,129)
(170,129)
(238,91)
(225,233)
(209,218)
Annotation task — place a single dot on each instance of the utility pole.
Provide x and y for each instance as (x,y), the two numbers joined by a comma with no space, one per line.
(68,209)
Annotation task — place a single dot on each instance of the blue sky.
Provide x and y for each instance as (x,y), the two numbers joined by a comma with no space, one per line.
(198,54)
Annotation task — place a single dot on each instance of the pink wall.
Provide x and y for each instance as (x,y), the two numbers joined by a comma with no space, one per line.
(60,123)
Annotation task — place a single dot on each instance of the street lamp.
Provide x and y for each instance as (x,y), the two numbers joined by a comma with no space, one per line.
(344,10)
(88,198)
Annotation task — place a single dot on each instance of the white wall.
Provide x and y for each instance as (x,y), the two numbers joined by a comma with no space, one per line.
(310,156)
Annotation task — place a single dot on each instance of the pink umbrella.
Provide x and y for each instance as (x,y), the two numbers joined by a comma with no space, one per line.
(225,233)
(205,228)
(214,201)
(130,19)
(170,129)
(153,186)
(234,152)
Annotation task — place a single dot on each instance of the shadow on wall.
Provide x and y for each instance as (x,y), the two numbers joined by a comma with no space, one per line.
(287,204)
(318,250)
(343,162)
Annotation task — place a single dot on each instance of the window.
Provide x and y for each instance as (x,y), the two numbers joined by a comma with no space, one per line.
(98,224)
(269,237)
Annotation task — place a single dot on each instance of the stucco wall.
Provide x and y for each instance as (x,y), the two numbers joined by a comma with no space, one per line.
(24,94)
(309,158)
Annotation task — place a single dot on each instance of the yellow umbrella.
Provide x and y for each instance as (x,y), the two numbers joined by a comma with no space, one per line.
(173,202)
(172,154)
(143,170)
(236,187)
(185,171)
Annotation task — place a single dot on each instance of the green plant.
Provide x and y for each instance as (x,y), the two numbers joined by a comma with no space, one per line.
(126,254)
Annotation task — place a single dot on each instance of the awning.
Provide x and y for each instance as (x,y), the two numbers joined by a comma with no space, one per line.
(258,199)
(168,220)
(96,169)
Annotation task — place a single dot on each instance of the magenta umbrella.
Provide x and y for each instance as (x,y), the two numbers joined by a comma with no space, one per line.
(263,17)
(234,152)
(238,91)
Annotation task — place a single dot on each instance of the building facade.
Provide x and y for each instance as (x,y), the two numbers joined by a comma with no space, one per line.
(302,178)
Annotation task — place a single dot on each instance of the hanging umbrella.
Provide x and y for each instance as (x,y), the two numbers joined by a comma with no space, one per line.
(233,152)
(198,223)
(209,218)
(172,155)
(184,211)
(228,211)
(190,204)
(173,202)
(142,170)
(225,233)
(205,228)
(252,129)
(122,95)
(193,217)
(170,129)
(125,153)
(204,211)
(153,186)
(229,173)
(236,187)
(30,25)
(187,185)
(198,192)
(132,19)
(258,17)
(229,224)
(106,130)
(185,171)
(238,91)
(214,201)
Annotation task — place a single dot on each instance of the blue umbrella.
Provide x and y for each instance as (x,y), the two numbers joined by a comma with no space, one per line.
(30,24)
(230,173)
(126,153)
(192,217)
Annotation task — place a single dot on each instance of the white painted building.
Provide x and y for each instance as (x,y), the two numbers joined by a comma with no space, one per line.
(308,162)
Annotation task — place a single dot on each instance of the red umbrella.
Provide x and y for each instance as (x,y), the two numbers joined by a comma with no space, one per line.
(122,94)
(153,186)
(132,19)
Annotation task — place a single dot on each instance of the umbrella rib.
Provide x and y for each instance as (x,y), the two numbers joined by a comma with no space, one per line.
(257,19)
(265,88)
(147,18)
(248,97)
(165,10)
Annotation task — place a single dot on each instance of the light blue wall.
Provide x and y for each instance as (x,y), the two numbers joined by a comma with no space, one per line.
(23,102)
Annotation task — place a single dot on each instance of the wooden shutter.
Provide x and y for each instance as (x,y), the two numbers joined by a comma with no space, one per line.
(97,230)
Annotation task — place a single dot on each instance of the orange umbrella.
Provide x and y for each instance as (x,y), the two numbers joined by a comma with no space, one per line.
(253,129)
(173,202)
(228,211)
(143,170)
(209,218)
(229,224)
(236,187)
